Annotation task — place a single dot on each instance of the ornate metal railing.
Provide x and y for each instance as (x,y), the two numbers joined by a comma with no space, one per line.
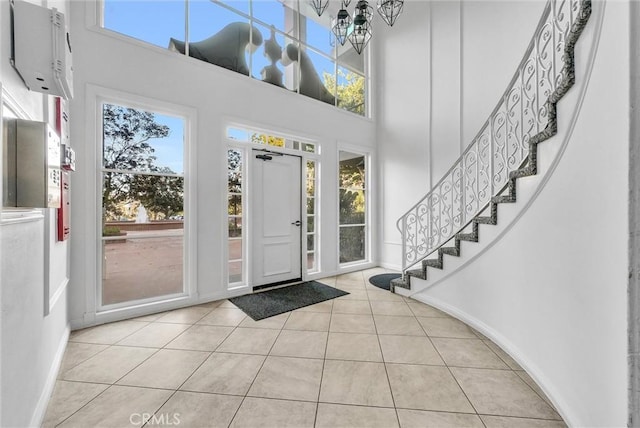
(525,116)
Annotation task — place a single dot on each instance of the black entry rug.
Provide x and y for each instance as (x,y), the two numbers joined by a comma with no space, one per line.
(274,302)
(384,280)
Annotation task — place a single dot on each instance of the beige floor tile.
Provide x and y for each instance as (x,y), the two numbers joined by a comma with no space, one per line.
(68,398)
(344,416)
(227,304)
(297,343)
(350,287)
(468,353)
(409,350)
(351,276)
(355,382)
(532,383)
(353,347)
(378,294)
(199,410)
(446,327)
(275,322)
(480,335)
(325,307)
(414,387)
(76,353)
(355,295)
(201,338)
(211,305)
(107,334)
(109,365)
(263,412)
(312,321)
(119,406)
(502,354)
(167,369)
(189,315)
(502,393)
(249,341)
(425,419)
(423,310)
(381,307)
(400,326)
(360,307)
(155,335)
(223,316)
(347,323)
(225,374)
(368,273)
(506,422)
(149,318)
(288,378)
(330,280)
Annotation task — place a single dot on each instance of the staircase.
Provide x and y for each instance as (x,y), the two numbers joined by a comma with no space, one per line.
(504,150)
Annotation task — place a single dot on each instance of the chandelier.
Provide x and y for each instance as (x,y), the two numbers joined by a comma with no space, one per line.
(357,29)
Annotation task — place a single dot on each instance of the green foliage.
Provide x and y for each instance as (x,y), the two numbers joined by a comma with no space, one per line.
(126,136)
(268,140)
(111,231)
(352,194)
(351,93)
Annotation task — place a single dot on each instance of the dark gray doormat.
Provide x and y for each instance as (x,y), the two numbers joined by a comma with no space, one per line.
(274,302)
(384,280)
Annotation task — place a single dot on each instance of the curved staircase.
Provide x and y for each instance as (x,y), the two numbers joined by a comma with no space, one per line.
(504,150)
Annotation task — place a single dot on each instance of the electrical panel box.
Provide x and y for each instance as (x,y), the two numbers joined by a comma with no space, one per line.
(32,173)
(42,49)
(64,226)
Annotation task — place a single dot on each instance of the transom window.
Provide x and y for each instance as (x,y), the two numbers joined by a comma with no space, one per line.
(281,42)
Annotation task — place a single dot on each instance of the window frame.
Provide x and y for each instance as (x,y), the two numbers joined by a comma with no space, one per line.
(94,16)
(245,147)
(368,204)
(104,96)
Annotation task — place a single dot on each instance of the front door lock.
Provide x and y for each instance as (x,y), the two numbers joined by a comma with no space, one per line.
(297,223)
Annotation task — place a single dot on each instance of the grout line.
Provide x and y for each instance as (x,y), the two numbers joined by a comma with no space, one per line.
(258,371)
(324,361)
(384,363)
(450,372)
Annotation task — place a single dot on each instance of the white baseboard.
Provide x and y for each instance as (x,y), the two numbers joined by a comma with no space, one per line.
(41,408)
(507,346)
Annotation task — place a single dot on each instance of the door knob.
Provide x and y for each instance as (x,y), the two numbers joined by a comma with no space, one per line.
(296,223)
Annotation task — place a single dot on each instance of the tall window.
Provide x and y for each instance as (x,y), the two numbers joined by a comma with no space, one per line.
(312,224)
(353,207)
(281,42)
(142,205)
(235,216)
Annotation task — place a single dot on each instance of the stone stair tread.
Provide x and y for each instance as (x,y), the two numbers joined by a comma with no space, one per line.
(435,263)
(452,251)
(418,273)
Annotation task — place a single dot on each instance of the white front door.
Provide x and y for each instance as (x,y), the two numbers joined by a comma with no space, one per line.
(276,214)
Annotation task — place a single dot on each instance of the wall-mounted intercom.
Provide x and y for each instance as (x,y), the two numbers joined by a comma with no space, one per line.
(31,175)
(41,50)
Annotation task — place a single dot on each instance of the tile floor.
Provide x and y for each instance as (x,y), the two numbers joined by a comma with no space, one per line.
(368,359)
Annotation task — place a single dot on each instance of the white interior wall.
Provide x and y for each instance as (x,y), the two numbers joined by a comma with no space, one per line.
(217,96)
(33,328)
(460,64)
(546,290)
(402,124)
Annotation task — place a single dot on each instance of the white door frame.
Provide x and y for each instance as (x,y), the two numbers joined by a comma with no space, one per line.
(253,218)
